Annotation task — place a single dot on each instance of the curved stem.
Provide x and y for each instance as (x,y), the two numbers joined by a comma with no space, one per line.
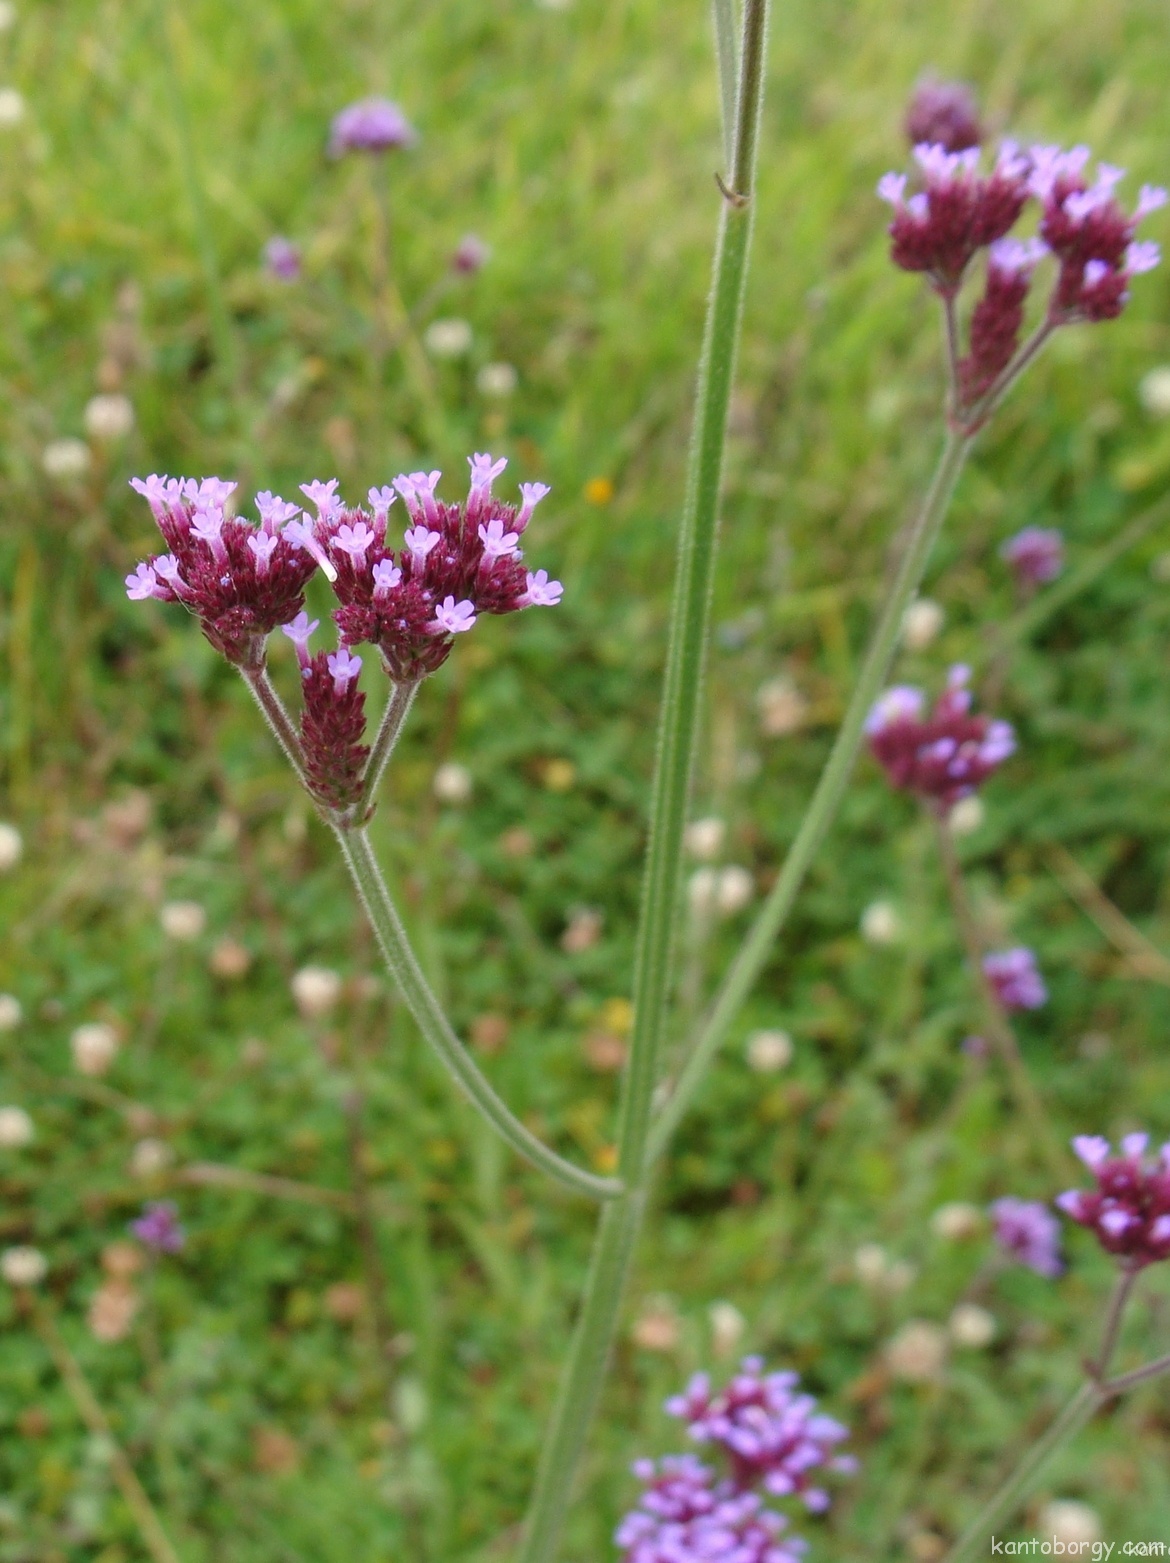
(678,728)
(393,719)
(756,948)
(1119,1385)
(436,1029)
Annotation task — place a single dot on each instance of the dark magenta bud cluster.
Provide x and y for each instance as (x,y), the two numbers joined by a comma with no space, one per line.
(1128,1210)
(940,756)
(333,718)
(772,1439)
(944,114)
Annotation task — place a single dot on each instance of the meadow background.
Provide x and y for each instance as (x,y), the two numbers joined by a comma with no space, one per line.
(159,148)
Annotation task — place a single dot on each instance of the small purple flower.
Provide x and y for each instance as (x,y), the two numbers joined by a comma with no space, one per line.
(452,618)
(282,258)
(1036,555)
(143,584)
(343,667)
(470,255)
(158,1227)
(299,631)
(497,543)
(1015,978)
(1029,1232)
(370,125)
(1129,1210)
(539,591)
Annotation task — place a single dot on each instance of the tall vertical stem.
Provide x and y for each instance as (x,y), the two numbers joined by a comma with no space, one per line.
(754,952)
(678,728)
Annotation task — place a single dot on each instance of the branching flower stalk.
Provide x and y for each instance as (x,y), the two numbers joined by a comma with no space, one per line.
(458,560)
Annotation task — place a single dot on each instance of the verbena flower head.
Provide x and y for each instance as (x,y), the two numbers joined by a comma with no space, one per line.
(370,125)
(1129,1208)
(940,756)
(1036,555)
(470,255)
(957,211)
(945,114)
(684,1516)
(772,1435)
(1016,979)
(158,1227)
(239,580)
(1028,1232)
(1091,235)
(458,561)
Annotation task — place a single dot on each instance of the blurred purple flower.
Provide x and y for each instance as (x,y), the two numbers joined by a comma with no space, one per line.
(158,1227)
(282,258)
(1129,1210)
(370,125)
(470,255)
(945,114)
(1029,1232)
(1015,978)
(941,756)
(1036,555)
(684,1517)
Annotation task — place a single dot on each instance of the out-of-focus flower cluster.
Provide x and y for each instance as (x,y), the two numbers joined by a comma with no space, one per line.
(243,581)
(772,1439)
(941,756)
(1029,1233)
(1015,978)
(1128,1210)
(956,210)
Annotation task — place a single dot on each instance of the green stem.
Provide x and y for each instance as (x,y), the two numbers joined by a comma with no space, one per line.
(1070,1421)
(678,729)
(1091,1395)
(754,952)
(276,715)
(727,55)
(436,1029)
(393,718)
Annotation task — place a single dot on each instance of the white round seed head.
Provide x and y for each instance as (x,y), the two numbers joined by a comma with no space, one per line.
(16,1128)
(768,1051)
(94,1047)
(23,1266)
(316,990)
(921,623)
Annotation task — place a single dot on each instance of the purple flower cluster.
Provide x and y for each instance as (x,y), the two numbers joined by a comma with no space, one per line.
(1015,978)
(1129,1209)
(685,1516)
(772,1438)
(240,581)
(771,1434)
(370,125)
(940,757)
(957,211)
(1028,1232)
(1036,555)
(158,1227)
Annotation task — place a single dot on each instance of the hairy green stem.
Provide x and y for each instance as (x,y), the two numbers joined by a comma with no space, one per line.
(677,736)
(754,953)
(436,1029)
(275,713)
(393,718)
(727,55)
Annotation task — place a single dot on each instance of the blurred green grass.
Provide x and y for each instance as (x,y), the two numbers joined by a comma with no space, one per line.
(581,144)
